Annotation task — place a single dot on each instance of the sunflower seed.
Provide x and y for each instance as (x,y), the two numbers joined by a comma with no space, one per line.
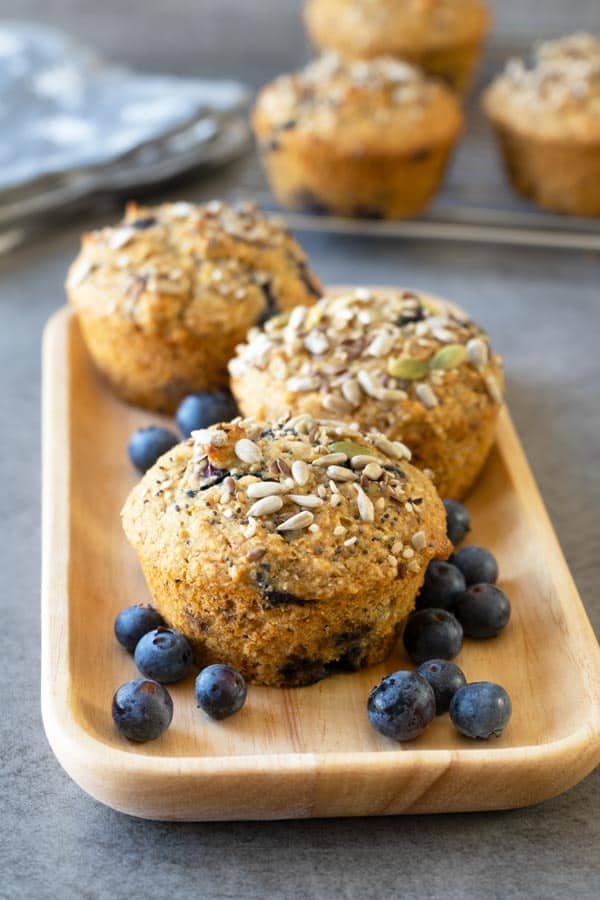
(339,473)
(330,459)
(310,501)
(259,489)
(493,388)
(380,345)
(300,472)
(419,540)
(369,385)
(299,520)
(351,392)
(256,553)
(477,353)
(366,510)
(265,506)
(360,461)
(336,405)
(426,396)
(247,451)
(373,471)
(316,343)
(302,385)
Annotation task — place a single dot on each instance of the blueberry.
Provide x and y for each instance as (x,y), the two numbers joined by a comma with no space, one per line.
(401,706)
(483,610)
(445,678)
(220,691)
(477,564)
(442,585)
(142,710)
(432,634)
(134,622)
(203,410)
(481,709)
(147,444)
(163,654)
(458,521)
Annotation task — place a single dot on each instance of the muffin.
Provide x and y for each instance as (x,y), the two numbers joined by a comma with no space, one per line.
(395,361)
(163,297)
(367,139)
(443,37)
(546,118)
(289,550)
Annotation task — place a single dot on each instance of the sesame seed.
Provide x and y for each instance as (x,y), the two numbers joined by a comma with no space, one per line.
(351,391)
(335,500)
(350,542)
(299,520)
(247,451)
(314,528)
(339,530)
(265,506)
(397,548)
(408,553)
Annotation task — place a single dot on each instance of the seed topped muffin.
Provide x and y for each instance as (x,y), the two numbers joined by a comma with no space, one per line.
(366,138)
(443,37)
(396,361)
(163,297)
(288,550)
(547,121)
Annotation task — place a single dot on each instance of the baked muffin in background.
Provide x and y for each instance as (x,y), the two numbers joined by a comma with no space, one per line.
(443,37)
(546,117)
(367,139)
(394,361)
(289,550)
(163,297)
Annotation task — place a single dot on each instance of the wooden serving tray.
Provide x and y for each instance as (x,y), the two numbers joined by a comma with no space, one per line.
(303,751)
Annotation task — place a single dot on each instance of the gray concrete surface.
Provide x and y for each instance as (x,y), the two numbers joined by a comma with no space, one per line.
(543,310)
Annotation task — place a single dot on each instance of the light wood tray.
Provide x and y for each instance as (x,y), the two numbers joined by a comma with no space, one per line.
(305,751)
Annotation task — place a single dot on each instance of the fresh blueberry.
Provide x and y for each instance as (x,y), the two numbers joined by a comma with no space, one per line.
(458,521)
(442,585)
(432,634)
(477,564)
(401,706)
(481,709)
(147,444)
(220,691)
(203,410)
(134,622)
(445,678)
(163,654)
(483,610)
(142,710)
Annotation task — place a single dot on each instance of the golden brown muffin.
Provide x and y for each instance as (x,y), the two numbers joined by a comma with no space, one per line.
(443,37)
(288,550)
(163,297)
(416,370)
(547,122)
(365,139)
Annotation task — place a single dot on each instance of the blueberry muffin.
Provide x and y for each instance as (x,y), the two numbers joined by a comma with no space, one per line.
(415,369)
(163,297)
(289,550)
(443,37)
(368,139)
(546,117)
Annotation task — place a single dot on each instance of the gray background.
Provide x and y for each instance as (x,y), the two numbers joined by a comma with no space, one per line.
(542,309)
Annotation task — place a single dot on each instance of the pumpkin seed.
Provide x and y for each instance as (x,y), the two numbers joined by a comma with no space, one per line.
(408,368)
(350,449)
(449,357)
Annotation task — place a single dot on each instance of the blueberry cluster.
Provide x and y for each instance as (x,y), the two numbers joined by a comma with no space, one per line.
(458,598)
(195,411)
(142,709)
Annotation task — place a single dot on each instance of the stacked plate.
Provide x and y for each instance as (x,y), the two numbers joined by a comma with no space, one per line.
(73,124)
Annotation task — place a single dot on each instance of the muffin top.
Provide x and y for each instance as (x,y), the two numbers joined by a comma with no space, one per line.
(289,506)
(200,267)
(376,106)
(354,354)
(557,96)
(372,27)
